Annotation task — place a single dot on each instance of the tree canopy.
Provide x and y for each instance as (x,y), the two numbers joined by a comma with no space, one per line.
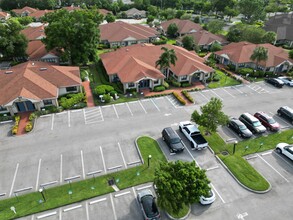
(188,42)
(75,34)
(180,183)
(172,30)
(253,10)
(215,26)
(12,43)
(211,115)
(167,57)
(259,54)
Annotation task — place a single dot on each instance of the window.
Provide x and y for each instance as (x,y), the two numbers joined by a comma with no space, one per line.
(130,85)
(71,89)
(156,82)
(48,102)
(2,108)
(183,77)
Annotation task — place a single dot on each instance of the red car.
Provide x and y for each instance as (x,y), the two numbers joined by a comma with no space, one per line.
(267,121)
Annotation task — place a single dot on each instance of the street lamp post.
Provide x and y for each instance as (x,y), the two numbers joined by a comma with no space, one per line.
(41,190)
(149,158)
(234,147)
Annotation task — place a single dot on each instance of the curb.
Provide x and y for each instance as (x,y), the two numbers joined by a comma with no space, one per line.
(245,187)
(136,146)
(183,218)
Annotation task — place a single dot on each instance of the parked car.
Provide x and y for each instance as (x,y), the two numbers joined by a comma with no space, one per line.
(237,126)
(209,199)
(252,123)
(275,82)
(286,149)
(286,112)
(192,133)
(267,121)
(286,80)
(173,140)
(148,205)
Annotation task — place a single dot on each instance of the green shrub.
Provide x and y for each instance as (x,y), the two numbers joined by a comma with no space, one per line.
(107,98)
(179,98)
(216,78)
(159,88)
(131,90)
(112,93)
(187,95)
(14,129)
(6,117)
(29,126)
(231,67)
(74,99)
(185,84)
(32,116)
(174,83)
(245,71)
(166,85)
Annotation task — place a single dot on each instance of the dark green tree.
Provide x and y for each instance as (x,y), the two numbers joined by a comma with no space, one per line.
(75,34)
(211,115)
(179,184)
(110,18)
(215,26)
(167,58)
(291,54)
(269,37)
(259,54)
(188,42)
(231,12)
(172,30)
(12,42)
(253,10)
(215,47)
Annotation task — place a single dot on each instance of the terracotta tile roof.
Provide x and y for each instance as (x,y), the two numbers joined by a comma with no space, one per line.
(4,14)
(39,13)
(240,53)
(71,8)
(184,26)
(34,33)
(204,37)
(30,81)
(24,9)
(119,31)
(104,11)
(282,25)
(134,62)
(37,49)
(133,11)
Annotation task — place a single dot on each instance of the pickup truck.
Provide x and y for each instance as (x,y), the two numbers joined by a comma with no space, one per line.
(191,131)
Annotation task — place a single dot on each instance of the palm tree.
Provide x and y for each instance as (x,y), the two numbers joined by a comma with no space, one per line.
(259,54)
(167,58)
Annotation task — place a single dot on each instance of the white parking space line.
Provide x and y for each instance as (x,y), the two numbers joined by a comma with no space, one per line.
(217,95)
(115,111)
(201,93)
(38,174)
(155,105)
(228,93)
(97,201)
(60,214)
(82,164)
(61,164)
(13,181)
(192,157)
(171,100)
(103,160)
(144,187)
(122,194)
(112,202)
(217,193)
(72,208)
(77,110)
(52,122)
(84,116)
(129,109)
(122,155)
(273,168)
(101,114)
(234,87)
(46,215)
(266,153)
(212,168)
(143,108)
(87,211)
(290,164)
(68,118)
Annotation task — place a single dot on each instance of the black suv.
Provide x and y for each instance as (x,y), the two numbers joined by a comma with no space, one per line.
(252,123)
(172,139)
(286,112)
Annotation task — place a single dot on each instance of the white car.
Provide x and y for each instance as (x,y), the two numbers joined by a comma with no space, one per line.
(287,80)
(207,200)
(286,149)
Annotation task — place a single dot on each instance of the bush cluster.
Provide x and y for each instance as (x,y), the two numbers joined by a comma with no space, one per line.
(103,89)
(159,88)
(5,117)
(166,85)
(29,126)
(185,84)
(179,98)
(71,100)
(158,95)
(15,126)
(187,95)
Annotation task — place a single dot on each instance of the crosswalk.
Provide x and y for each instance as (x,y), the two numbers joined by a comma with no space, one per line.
(93,115)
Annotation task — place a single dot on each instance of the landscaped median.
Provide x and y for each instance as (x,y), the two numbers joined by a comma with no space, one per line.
(59,196)
(238,166)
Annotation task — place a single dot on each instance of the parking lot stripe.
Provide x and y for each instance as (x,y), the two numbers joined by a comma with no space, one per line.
(170,100)
(82,164)
(61,164)
(129,109)
(72,208)
(266,153)
(46,215)
(103,160)
(101,113)
(84,115)
(87,210)
(115,167)
(273,168)
(120,103)
(201,93)
(38,174)
(228,93)
(68,118)
(122,194)
(97,201)
(192,156)
(218,193)
(115,111)
(283,120)
(234,87)
(122,155)
(60,214)
(155,105)
(113,206)
(144,187)
(13,181)
(77,110)
(212,168)
(217,95)
(52,123)
(143,108)
(249,158)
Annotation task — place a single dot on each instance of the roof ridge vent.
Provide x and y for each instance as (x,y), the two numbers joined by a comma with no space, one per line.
(43,68)
(8,72)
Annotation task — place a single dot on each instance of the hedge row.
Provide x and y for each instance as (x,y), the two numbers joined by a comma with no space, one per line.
(71,100)
(179,98)
(15,126)
(187,95)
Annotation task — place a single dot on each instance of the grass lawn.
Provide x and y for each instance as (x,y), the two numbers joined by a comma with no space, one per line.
(224,81)
(171,41)
(58,196)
